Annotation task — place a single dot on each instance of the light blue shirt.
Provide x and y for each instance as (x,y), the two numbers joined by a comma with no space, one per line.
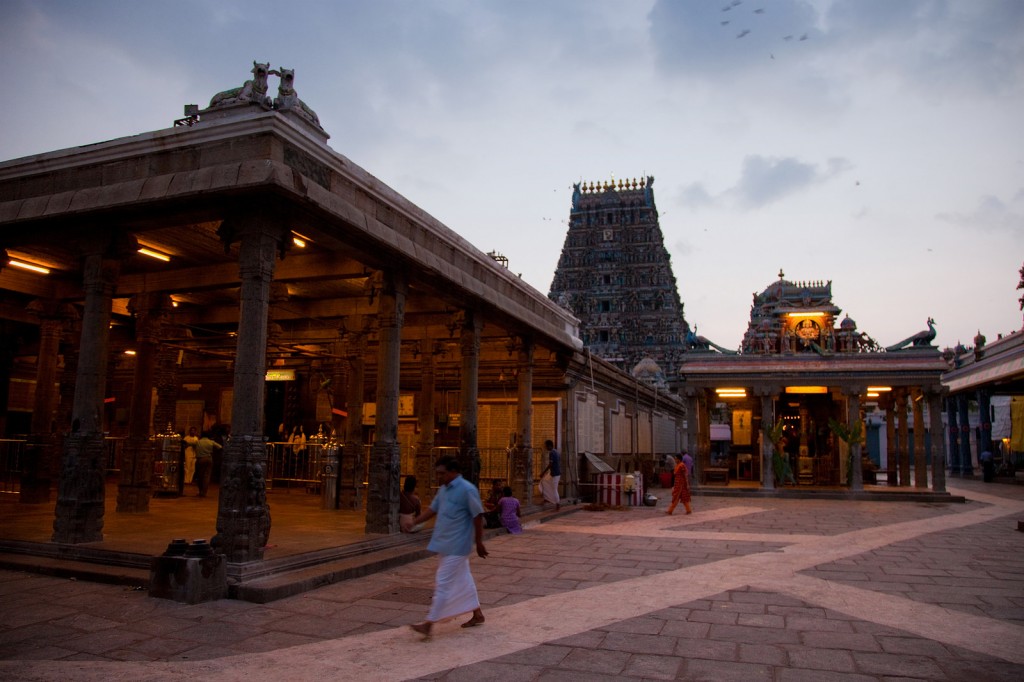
(456,505)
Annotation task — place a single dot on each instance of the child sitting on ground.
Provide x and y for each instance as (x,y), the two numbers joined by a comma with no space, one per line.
(508,507)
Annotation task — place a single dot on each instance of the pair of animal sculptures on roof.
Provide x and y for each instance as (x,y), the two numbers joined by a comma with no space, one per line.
(254,91)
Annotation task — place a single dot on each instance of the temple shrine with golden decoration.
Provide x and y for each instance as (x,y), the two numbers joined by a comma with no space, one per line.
(796,405)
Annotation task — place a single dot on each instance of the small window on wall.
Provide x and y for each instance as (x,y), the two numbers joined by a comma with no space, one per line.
(609,235)
(604,337)
(606,306)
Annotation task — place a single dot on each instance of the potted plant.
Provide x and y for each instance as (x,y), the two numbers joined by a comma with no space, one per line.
(851,435)
(780,465)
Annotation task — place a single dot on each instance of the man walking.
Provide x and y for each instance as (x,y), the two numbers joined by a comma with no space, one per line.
(549,486)
(460,522)
(204,461)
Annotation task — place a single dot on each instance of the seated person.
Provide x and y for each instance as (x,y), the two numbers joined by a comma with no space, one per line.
(508,508)
(492,512)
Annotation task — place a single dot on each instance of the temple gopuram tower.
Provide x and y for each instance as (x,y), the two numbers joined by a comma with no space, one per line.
(615,275)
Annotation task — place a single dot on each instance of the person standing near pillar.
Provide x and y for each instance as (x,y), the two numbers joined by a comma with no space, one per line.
(549,485)
(191,441)
(460,523)
(204,461)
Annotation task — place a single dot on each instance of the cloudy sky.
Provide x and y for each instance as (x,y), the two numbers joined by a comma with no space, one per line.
(874,143)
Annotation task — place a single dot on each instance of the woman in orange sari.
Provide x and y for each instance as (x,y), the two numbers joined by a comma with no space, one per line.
(681,489)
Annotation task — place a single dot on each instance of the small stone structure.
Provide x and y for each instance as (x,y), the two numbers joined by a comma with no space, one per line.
(189,573)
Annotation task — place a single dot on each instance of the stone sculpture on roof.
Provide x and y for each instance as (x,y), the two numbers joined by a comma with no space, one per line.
(254,92)
(922,339)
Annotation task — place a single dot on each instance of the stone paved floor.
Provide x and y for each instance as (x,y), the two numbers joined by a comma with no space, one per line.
(742,589)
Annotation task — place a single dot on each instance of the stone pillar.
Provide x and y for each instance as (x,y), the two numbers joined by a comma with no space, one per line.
(78,516)
(385,457)
(338,374)
(920,463)
(692,411)
(353,464)
(703,428)
(40,451)
(891,446)
(966,461)
(852,417)
(136,487)
(954,435)
(767,447)
(984,420)
(243,515)
(522,454)
(166,382)
(937,441)
(469,453)
(425,409)
(903,437)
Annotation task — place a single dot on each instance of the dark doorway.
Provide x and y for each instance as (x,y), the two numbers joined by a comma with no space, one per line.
(273,410)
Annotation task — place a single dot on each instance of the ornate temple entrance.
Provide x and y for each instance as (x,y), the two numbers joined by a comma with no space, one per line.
(798,393)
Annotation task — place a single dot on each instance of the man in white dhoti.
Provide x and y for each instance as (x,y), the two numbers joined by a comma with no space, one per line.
(460,522)
(549,484)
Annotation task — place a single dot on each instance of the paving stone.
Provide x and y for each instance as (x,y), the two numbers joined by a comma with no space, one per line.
(652,667)
(544,655)
(839,640)
(820,659)
(719,671)
(893,665)
(753,635)
(491,672)
(601,661)
(804,675)
(639,644)
(763,653)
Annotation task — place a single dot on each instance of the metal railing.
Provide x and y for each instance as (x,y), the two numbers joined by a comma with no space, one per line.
(289,464)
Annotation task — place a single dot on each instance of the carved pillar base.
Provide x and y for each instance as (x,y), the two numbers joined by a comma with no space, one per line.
(243,517)
(424,473)
(381,506)
(522,472)
(78,516)
(469,460)
(136,486)
(35,479)
(351,470)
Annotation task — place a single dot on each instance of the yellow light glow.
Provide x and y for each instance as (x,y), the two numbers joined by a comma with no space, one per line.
(809,314)
(806,389)
(155,254)
(879,389)
(731,392)
(29,266)
(129,352)
(872,395)
(300,240)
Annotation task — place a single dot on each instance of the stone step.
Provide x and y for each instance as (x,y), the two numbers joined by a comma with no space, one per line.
(130,576)
(289,583)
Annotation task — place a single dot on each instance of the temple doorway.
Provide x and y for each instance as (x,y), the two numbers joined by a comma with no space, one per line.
(810,446)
